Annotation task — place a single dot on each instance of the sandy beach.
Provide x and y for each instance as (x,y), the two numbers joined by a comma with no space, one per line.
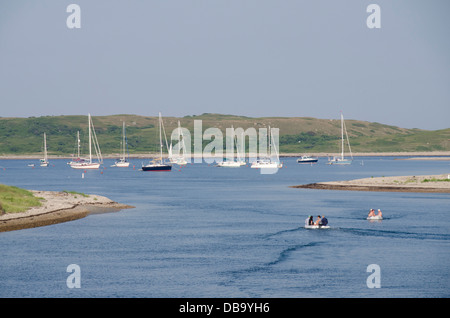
(390,184)
(58,207)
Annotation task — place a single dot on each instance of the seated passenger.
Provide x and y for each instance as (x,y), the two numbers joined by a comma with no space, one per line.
(379,213)
(318,220)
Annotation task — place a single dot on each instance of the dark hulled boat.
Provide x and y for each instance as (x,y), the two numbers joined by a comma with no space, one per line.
(157,167)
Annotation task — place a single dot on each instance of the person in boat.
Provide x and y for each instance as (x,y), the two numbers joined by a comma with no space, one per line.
(371,213)
(324,221)
(309,220)
(379,213)
(318,221)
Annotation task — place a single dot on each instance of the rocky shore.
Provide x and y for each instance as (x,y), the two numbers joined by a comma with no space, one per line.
(424,184)
(58,207)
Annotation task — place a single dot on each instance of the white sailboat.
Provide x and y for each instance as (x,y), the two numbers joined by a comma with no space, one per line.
(241,155)
(229,164)
(158,165)
(123,162)
(44,161)
(82,163)
(233,163)
(181,159)
(269,162)
(342,160)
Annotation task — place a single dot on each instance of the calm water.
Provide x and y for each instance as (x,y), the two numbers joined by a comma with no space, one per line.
(204,231)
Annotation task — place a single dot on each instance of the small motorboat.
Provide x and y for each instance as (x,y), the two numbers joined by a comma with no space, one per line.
(307,159)
(317,226)
(375,217)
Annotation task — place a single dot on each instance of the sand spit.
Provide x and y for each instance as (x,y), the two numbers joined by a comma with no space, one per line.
(58,207)
(388,184)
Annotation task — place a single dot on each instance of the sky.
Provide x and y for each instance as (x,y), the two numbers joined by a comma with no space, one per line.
(256,58)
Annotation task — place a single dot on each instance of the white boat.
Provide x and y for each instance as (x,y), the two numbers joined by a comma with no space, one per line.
(342,160)
(82,163)
(233,163)
(229,164)
(269,162)
(265,163)
(78,158)
(317,226)
(375,217)
(307,159)
(181,159)
(44,162)
(123,162)
(158,164)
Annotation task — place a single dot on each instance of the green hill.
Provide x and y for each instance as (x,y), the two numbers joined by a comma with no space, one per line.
(20,136)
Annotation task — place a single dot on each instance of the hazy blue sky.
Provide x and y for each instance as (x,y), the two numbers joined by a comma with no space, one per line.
(245,57)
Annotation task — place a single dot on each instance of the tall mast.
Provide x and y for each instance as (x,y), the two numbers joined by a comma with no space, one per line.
(160,137)
(123,143)
(45,147)
(78,145)
(342,136)
(90,152)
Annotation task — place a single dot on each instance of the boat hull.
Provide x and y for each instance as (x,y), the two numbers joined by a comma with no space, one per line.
(266,165)
(229,164)
(85,166)
(122,164)
(307,160)
(157,168)
(317,227)
(340,162)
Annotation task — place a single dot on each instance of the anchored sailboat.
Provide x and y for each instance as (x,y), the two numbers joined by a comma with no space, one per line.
(123,162)
(342,160)
(158,165)
(269,162)
(44,161)
(181,159)
(233,163)
(82,163)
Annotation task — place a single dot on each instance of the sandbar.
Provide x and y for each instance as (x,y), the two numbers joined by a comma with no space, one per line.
(387,184)
(58,207)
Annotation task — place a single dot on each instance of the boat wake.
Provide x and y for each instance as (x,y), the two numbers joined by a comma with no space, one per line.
(396,234)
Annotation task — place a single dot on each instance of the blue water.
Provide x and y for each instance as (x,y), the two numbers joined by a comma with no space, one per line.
(203,231)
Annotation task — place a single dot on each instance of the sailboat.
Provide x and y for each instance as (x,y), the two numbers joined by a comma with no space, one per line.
(123,162)
(180,160)
(232,163)
(158,165)
(269,162)
(44,161)
(342,160)
(82,163)
(78,158)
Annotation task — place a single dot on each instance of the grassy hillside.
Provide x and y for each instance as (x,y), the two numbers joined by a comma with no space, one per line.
(13,199)
(297,134)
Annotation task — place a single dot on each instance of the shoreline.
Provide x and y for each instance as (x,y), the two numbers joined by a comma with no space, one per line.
(58,207)
(386,184)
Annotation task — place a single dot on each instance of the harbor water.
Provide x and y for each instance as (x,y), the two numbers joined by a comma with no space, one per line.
(204,231)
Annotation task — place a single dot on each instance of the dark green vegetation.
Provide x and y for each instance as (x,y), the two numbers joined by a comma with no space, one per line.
(297,134)
(13,199)
(436,180)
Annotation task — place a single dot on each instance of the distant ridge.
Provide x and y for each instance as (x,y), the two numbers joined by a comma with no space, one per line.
(20,136)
